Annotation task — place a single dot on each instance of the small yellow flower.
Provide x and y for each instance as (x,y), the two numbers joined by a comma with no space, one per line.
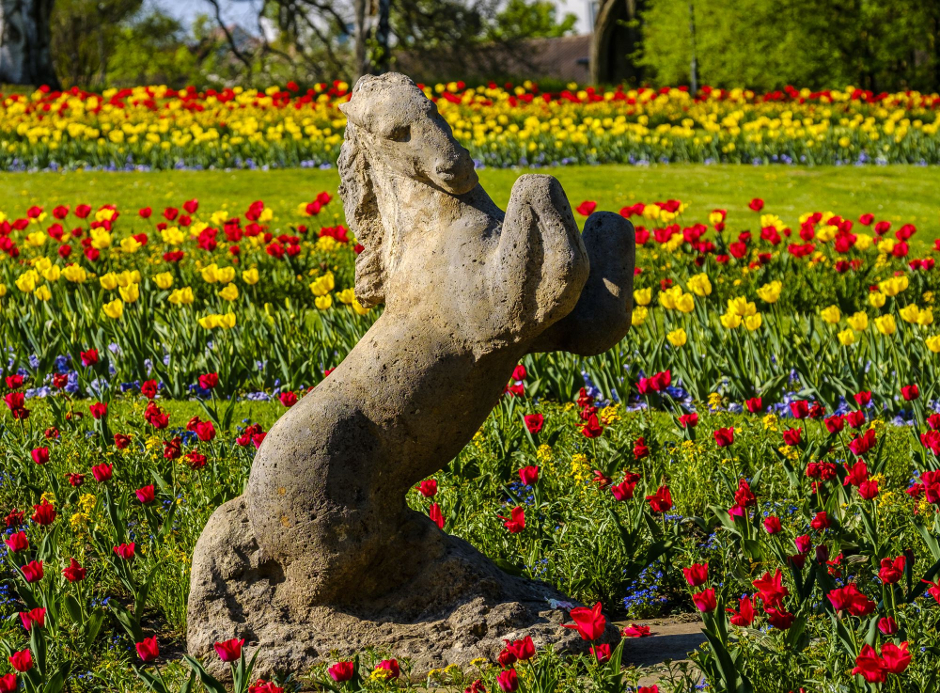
(847,337)
(164,280)
(886,324)
(642,297)
(677,337)
(115,309)
(832,314)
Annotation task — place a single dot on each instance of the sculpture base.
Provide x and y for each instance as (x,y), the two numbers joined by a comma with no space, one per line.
(460,607)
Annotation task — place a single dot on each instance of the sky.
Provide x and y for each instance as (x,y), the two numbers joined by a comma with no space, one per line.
(245,12)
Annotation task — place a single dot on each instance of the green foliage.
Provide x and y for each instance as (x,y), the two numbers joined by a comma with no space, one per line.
(151,50)
(767,44)
(521,19)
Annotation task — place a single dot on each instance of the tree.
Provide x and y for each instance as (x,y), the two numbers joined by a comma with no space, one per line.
(84,36)
(25,56)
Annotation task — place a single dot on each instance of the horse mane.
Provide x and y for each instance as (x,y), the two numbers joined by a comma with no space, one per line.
(357,190)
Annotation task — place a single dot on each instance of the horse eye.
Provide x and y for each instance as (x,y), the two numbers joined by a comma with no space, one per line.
(401,134)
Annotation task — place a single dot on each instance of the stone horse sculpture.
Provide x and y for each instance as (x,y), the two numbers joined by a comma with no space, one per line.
(322,554)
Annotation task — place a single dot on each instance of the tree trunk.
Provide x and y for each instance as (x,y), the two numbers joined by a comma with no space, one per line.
(25,55)
(371,36)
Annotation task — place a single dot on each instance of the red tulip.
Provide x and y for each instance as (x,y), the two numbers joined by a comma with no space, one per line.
(863,398)
(868,489)
(602,652)
(205,431)
(661,501)
(149,389)
(635,631)
(803,544)
(696,574)
(888,625)
(32,571)
(834,424)
(792,436)
(771,588)
(592,429)
(145,494)
(74,572)
(8,683)
(427,488)
(437,517)
(772,525)
(529,475)
(17,542)
(43,514)
(508,681)
(910,392)
(744,497)
(523,649)
(288,399)
(34,617)
(590,623)
(102,472)
(534,422)
(892,570)
(586,208)
(342,671)
(856,474)
(799,409)
(896,659)
(870,666)
(624,490)
(724,436)
(125,551)
(148,650)
(756,204)
(688,420)
(705,600)
(22,661)
(40,455)
(778,618)
(98,410)
(519,372)
(648,689)
(230,650)
(854,418)
(754,405)
(516,522)
(744,616)
(820,521)
(208,381)
(89,357)
(391,666)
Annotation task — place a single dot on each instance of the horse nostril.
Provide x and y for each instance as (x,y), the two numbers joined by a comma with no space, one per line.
(445,169)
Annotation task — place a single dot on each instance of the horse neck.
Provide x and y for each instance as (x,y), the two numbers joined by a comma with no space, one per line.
(406,203)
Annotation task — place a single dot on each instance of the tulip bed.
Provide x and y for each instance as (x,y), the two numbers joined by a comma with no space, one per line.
(155,127)
(762,448)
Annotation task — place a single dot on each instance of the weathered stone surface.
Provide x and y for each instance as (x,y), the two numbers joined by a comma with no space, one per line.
(322,553)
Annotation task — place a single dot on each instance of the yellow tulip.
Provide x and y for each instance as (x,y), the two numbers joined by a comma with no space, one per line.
(886,324)
(677,337)
(52,274)
(229,293)
(741,306)
(858,321)
(3,290)
(100,239)
(164,280)
(130,293)
(181,297)
(323,302)
(731,320)
(28,281)
(115,309)
(210,273)
(250,276)
(130,245)
(75,273)
(876,299)
(226,275)
(358,308)
(323,285)
(209,321)
(926,317)
(668,298)
(832,314)
(227,320)
(700,285)
(43,293)
(108,281)
(770,293)
(894,285)
(685,303)
(36,239)
(847,337)
(933,343)
(910,313)
(639,316)
(752,322)
(172,236)
(642,297)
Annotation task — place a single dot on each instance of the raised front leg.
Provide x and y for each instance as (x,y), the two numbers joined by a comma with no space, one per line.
(541,264)
(603,313)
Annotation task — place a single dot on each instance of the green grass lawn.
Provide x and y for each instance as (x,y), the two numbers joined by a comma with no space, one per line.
(899,194)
